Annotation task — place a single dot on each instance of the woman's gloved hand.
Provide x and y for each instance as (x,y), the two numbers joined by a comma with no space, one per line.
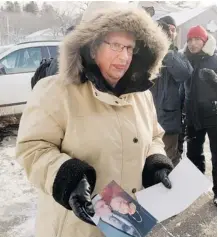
(156,170)
(162,176)
(80,201)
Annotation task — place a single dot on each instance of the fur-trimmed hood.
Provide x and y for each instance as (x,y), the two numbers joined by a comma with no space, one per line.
(210,46)
(152,41)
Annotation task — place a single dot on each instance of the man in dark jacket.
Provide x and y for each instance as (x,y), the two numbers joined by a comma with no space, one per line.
(53,68)
(48,67)
(200,95)
(176,69)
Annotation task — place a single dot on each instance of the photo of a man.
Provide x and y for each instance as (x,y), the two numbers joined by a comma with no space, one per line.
(117,214)
(113,221)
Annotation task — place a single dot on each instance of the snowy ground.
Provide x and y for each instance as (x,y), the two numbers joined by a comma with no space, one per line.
(18,203)
(17,197)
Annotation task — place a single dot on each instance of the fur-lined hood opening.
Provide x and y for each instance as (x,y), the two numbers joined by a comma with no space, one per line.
(153,43)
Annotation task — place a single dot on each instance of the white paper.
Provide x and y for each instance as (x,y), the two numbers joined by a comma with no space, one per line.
(188,184)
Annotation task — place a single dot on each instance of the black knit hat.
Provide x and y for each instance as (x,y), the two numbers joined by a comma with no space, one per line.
(165,27)
(168,20)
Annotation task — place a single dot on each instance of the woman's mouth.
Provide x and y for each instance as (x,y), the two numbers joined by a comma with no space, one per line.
(119,66)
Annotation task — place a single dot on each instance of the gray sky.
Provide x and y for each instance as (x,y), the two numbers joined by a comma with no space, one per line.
(68,5)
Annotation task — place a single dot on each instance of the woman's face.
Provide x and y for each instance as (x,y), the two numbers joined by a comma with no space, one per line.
(113,64)
(102,209)
(122,206)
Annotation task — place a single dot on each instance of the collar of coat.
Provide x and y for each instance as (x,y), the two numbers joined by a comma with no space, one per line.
(124,86)
(152,42)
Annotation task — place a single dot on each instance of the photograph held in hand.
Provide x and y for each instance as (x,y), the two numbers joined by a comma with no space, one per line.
(118,214)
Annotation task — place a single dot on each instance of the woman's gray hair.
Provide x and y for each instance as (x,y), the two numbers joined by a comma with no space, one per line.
(95,45)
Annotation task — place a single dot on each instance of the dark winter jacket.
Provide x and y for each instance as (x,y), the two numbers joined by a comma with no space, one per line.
(165,92)
(200,93)
(53,68)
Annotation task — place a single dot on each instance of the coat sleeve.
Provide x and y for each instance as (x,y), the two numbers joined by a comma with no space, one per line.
(156,158)
(178,66)
(38,147)
(157,145)
(53,68)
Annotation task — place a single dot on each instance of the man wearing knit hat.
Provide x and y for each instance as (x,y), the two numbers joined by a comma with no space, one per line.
(176,69)
(170,22)
(200,96)
(196,38)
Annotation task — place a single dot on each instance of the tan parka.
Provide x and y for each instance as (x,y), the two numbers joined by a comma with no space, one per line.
(68,118)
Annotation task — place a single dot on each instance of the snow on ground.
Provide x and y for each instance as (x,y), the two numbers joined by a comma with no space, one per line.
(17,197)
(18,203)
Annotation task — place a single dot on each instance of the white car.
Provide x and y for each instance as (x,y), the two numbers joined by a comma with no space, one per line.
(18,65)
(5,47)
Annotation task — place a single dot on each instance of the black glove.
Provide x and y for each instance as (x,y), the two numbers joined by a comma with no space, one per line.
(208,75)
(156,170)
(162,176)
(80,201)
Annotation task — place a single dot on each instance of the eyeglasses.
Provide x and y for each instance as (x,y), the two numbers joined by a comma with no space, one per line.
(119,48)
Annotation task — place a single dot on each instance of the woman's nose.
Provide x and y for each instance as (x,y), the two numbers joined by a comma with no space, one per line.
(124,54)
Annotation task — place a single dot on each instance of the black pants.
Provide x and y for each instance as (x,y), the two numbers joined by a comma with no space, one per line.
(195,151)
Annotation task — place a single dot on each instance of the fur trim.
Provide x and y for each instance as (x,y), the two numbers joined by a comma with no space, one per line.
(104,21)
(210,46)
(154,163)
(69,175)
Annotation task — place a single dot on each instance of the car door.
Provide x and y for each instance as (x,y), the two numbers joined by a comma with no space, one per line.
(20,65)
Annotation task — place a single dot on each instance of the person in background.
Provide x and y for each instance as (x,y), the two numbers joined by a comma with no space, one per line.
(200,99)
(171,31)
(95,121)
(53,68)
(48,67)
(176,69)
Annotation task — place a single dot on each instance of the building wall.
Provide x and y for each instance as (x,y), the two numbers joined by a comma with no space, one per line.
(202,19)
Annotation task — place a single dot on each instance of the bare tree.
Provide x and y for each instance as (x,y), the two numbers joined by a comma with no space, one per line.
(16,25)
(65,19)
(9,6)
(47,8)
(31,7)
(17,7)
(82,6)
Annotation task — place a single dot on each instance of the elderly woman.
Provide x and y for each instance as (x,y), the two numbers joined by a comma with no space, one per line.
(95,121)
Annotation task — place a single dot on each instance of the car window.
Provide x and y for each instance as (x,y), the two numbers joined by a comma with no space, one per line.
(53,51)
(10,60)
(23,60)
